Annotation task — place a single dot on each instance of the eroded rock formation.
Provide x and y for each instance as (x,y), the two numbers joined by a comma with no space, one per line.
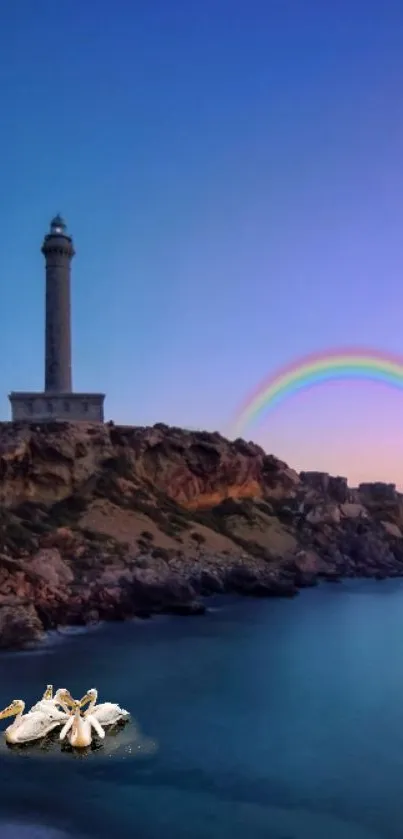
(100,522)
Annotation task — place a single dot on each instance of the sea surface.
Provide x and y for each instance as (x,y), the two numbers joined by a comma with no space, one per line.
(274,719)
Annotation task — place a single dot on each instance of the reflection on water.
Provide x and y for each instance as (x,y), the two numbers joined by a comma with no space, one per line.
(274,719)
(14,830)
(123,739)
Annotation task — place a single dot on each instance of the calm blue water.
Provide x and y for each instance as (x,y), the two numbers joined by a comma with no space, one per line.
(280,719)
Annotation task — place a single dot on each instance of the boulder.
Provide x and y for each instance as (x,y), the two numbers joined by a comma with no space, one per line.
(20,626)
(392,529)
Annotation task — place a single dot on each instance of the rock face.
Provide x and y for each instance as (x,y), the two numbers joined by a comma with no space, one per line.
(106,522)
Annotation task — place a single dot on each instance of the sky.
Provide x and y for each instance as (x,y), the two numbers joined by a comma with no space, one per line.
(231,173)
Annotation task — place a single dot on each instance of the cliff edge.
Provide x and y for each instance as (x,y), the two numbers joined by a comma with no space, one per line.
(107,522)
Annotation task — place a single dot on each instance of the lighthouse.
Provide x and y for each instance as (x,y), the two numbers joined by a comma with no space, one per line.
(58,400)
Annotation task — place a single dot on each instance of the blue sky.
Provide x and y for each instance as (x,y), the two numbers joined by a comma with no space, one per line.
(231,173)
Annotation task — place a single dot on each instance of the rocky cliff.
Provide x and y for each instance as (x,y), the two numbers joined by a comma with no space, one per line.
(107,522)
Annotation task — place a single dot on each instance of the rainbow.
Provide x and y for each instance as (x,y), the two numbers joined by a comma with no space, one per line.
(314,369)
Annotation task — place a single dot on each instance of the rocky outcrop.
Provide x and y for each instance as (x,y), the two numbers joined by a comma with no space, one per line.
(107,522)
(196,469)
(323,484)
(20,625)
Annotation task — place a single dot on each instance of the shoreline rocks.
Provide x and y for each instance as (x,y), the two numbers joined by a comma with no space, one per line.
(108,522)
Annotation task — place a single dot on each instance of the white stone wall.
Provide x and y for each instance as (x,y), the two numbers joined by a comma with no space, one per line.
(31,407)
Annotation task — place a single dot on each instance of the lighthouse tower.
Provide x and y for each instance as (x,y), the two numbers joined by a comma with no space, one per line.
(58,251)
(57,401)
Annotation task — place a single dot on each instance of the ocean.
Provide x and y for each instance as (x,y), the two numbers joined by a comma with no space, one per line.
(266,719)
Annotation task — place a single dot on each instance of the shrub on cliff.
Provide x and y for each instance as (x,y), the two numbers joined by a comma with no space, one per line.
(67,511)
(198,538)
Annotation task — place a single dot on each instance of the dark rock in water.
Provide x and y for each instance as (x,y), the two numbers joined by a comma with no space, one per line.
(108,522)
(208,582)
(20,626)
(194,607)
(244,580)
